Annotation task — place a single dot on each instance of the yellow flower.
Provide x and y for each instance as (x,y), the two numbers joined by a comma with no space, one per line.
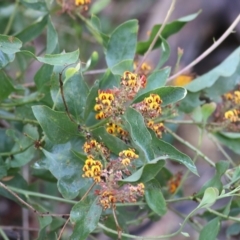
(232,115)
(130,153)
(182,80)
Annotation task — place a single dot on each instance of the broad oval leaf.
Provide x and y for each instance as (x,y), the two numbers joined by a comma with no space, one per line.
(209,197)
(168,95)
(163,148)
(210,230)
(156,80)
(122,43)
(154,198)
(60,59)
(56,125)
(139,133)
(85,216)
(9,44)
(66,167)
(33,31)
(147,172)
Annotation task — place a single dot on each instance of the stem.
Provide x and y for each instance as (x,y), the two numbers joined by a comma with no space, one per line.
(98,71)
(64,226)
(222,150)
(17,119)
(13,228)
(157,35)
(208,160)
(41,195)
(16,152)
(2,233)
(209,50)
(10,21)
(151,237)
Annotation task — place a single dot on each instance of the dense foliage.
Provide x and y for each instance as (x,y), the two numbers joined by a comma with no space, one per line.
(102,138)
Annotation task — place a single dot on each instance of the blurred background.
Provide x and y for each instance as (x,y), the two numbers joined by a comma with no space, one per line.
(194,38)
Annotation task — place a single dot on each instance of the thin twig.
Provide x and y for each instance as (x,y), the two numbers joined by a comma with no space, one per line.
(97,71)
(63,97)
(222,150)
(117,224)
(191,147)
(87,192)
(13,228)
(31,207)
(209,50)
(157,35)
(64,226)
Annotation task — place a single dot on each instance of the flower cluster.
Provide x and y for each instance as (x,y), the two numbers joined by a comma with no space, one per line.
(82,2)
(131,83)
(150,108)
(94,148)
(144,69)
(109,191)
(232,115)
(92,169)
(71,6)
(117,131)
(233,97)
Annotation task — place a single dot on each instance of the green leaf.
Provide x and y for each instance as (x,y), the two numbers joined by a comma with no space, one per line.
(224,70)
(231,142)
(85,216)
(60,59)
(165,53)
(17,182)
(91,99)
(3,168)
(156,80)
(190,102)
(8,47)
(147,172)
(210,230)
(122,43)
(109,80)
(168,95)
(162,148)
(75,92)
(209,197)
(56,125)
(33,31)
(140,135)
(96,24)
(66,167)
(9,44)
(91,62)
(98,6)
(42,79)
(25,142)
(221,168)
(52,38)
(6,86)
(114,144)
(121,67)
(154,198)
(207,110)
(233,230)
(169,29)
(43,222)
(38,5)
(5,59)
